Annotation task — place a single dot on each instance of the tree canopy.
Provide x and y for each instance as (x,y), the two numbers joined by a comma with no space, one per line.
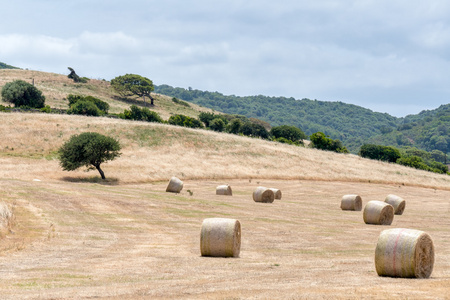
(89,149)
(22,93)
(132,84)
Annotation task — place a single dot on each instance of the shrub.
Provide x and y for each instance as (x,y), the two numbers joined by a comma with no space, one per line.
(84,107)
(46,109)
(144,114)
(288,132)
(252,129)
(22,93)
(234,126)
(320,141)
(181,102)
(217,124)
(182,120)
(385,153)
(101,105)
(414,162)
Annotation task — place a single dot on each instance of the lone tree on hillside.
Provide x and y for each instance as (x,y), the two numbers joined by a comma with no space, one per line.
(22,93)
(132,84)
(88,149)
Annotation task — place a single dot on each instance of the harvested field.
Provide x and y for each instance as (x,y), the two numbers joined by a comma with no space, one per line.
(131,241)
(76,236)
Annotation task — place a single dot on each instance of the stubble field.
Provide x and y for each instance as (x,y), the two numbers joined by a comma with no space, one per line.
(78,237)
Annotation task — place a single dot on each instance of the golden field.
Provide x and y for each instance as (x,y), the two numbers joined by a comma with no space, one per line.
(76,236)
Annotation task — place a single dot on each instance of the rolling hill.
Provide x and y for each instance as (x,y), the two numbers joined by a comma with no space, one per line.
(76,236)
(353,125)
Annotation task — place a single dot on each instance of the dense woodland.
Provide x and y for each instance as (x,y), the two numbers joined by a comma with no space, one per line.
(353,125)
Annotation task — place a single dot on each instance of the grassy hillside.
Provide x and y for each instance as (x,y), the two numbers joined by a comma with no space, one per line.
(56,88)
(353,125)
(153,152)
(76,236)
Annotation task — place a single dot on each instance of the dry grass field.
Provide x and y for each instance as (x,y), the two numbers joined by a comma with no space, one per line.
(75,236)
(78,237)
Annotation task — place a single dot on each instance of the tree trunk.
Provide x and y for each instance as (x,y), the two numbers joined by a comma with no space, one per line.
(100,171)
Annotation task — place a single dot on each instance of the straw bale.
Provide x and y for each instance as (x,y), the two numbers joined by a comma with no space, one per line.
(220,237)
(224,190)
(397,202)
(351,202)
(406,253)
(277,193)
(378,213)
(262,194)
(175,185)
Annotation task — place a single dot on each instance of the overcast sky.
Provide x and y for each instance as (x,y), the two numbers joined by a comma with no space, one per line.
(389,56)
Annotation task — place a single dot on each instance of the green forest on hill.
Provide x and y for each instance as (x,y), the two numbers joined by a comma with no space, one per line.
(5,66)
(352,124)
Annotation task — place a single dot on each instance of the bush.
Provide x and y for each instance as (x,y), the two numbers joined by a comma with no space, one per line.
(385,153)
(181,102)
(414,162)
(288,132)
(255,130)
(182,120)
(86,108)
(320,141)
(217,124)
(234,126)
(144,114)
(22,93)
(47,109)
(101,105)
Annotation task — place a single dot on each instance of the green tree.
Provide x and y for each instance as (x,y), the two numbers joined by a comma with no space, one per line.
(217,124)
(132,84)
(234,126)
(288,132)
(320,141)
(89,149)
(22,93)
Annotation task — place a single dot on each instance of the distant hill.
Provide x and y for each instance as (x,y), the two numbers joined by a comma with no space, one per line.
(352,124)
(5,66)
(429,130)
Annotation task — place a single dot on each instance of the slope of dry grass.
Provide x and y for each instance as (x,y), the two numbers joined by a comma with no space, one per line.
(56,87)
(75,236)
(153,152)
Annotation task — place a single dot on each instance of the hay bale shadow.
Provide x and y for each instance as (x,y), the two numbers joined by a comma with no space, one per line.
(92,179)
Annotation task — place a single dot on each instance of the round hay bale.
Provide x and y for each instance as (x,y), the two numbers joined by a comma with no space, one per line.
(262,194)
(220,237)
(351,202)
(276,193)
(397,202)
(224,190)
(175,185)
(378,213)
(407,253)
